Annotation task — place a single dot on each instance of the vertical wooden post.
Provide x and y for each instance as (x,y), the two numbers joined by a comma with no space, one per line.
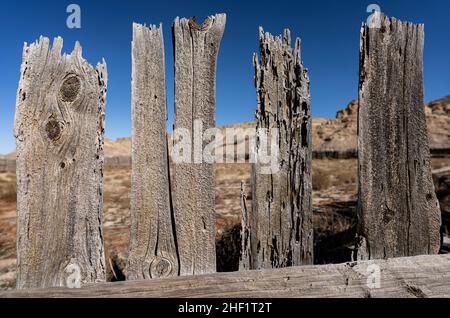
(59,126)
(280,223)
(245,259)
(196,48)
(398,210)
(152,252)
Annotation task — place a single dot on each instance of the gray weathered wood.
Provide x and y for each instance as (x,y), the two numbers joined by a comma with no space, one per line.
(415,277)
(398,210)
(59,126)
(196,48)
(245,259)
(281,218)
(152,251)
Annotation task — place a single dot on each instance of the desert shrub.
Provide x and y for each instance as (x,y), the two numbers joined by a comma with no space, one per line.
(8,190)
(327,173)
(228,248)
(321,180)
(8,285)
(9,196)
(115,267)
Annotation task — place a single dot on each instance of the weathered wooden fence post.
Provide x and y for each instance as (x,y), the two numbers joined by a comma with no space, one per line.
(398,210)
(152,252)
(245,259)
(59,126)
(280,226)
(195,48)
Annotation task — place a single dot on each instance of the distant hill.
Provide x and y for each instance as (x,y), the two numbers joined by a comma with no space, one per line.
(340,134)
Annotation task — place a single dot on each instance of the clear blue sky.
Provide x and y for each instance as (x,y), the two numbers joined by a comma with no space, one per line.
(329,31)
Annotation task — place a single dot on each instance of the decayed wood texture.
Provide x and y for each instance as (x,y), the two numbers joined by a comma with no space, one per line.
(398,210)
(280,221)
(245,259)
(59,127)
(196,48)
(415,277)
(152,251)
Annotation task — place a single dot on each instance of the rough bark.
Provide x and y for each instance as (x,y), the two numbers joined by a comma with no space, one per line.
(415,277)
(59,126)
(152,251)
(196,48)
(281,218)
(398,210)
(245,259)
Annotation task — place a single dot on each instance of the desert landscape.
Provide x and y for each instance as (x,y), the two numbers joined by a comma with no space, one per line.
(334,194)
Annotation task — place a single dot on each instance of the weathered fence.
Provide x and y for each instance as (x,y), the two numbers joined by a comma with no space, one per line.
(278,229)
(196,48)
(398,210)
(152,251)
(59,133)
(59,126)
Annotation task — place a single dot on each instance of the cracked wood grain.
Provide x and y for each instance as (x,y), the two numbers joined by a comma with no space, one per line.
(59,127)
(195,48)
(280,220)
(152,250)
(398,212)
(245,258)
(414,277)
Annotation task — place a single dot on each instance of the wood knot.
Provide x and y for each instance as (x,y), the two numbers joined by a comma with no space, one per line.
(53,129)
(70,88)
(161,267)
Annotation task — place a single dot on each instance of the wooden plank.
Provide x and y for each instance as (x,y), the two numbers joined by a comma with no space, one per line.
(416,277)
(398,210)
(196,48)
(280,223)
(152,251)
(59,126)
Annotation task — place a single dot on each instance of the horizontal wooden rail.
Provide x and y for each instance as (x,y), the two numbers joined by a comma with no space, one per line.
(420,276)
